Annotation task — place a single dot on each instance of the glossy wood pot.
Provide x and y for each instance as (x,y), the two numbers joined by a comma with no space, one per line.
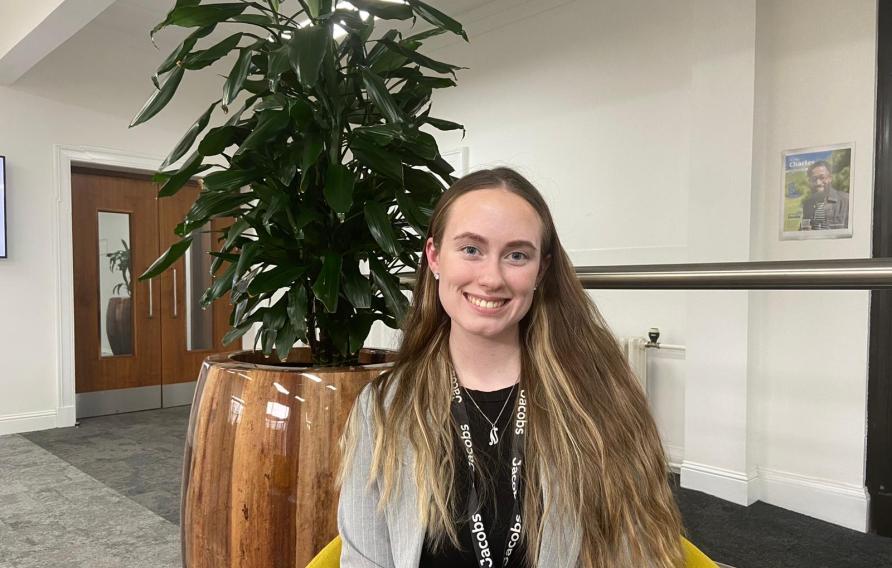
(262,457)
(119,326)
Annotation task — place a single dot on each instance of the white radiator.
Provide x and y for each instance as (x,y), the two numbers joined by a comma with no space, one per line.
(636,354)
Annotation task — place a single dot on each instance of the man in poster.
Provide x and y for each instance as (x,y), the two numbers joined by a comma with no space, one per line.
(825,207)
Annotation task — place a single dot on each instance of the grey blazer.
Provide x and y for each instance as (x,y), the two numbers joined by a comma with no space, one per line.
(394,538)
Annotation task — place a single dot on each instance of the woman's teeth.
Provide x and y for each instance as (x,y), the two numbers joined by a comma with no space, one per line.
(484,303)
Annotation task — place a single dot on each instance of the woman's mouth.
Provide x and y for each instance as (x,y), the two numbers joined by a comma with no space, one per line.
(488,305)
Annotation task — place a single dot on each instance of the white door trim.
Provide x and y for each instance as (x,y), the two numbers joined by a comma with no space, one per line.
(64,157)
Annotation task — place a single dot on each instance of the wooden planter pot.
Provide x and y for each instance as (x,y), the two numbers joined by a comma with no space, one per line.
(262,457)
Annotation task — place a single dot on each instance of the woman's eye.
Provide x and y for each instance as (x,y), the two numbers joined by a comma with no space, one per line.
(470,248)
(519,256)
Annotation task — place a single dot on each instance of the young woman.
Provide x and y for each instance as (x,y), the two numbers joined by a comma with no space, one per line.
(510,431)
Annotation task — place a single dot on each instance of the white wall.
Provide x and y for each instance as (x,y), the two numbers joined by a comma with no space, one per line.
(655,131)
(815,85)
(29,290)
(591,100)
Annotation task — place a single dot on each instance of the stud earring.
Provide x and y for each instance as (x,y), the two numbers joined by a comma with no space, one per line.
(436,275)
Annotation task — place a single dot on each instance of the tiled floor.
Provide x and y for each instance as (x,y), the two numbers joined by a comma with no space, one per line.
(106,494)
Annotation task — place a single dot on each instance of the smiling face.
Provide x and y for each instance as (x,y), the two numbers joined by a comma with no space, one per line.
(819,179)
(489,261)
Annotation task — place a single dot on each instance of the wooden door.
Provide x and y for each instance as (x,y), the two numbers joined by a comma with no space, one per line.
(116,318)
(188,332)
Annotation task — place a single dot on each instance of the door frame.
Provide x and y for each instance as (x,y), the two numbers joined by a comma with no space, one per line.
(66,156)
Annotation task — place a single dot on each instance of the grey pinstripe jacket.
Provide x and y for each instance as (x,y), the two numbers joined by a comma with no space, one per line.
(394,538)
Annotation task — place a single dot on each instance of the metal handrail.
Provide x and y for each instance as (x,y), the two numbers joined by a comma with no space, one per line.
(839,274)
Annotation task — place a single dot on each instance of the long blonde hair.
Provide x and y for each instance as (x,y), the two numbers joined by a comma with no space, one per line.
(591,437)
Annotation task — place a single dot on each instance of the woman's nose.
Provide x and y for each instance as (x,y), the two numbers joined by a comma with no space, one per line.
(490,275)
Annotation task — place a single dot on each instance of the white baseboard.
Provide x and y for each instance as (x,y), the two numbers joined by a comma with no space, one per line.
(838,503)
(675,455)
(27,422)
(66,417)
(727,484)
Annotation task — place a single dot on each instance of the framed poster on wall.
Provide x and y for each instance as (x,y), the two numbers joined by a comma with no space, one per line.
(816,193)
(2,207)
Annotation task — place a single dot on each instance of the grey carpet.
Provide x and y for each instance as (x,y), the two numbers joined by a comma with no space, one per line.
(139,455)
(53,515)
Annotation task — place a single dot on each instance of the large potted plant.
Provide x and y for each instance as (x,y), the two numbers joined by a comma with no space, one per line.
(325,164)
(118,312)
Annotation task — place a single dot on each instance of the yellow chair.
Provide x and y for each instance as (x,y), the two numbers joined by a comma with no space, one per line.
(330,556)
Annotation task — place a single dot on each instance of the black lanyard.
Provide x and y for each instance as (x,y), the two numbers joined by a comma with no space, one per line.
(478,532)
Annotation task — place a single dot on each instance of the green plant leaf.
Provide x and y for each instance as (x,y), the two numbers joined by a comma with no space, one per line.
(211,204)
(237,332)
(357,287)
(306,50)
(246,258)
(413,214)
(440,124)
(378,159)
(219,287)
(233,232)
(301,113)
(382,98)
(268,339)
(285,339)
(258,20)
(201,59)
(278,61)
(389,286)
(312,149)
(237,77)
(189,138)
(381,134)
(380,59)
(216,140)
(422,184)
(170,256)
(338,190)
(325,288)
(422,60)
(159,98)
(419,37)
(381,228)
(415,76)
(437,18)
(182,176)
(275,278)
(177,54)
(193,15)
(297,310)
(385,10)
(229,179)
(269,125)
(442,168)
(358,329)
(335,328)
(422,144)
(318,7)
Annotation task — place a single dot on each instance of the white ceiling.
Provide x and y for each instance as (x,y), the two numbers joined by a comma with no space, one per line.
(107,65)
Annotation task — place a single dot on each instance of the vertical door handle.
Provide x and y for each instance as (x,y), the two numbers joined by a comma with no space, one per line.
(174,292)
(151,307)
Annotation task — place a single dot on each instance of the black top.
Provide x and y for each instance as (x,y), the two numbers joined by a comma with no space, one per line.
(495,461)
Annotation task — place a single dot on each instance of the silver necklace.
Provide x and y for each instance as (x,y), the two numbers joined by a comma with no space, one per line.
(494,431)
